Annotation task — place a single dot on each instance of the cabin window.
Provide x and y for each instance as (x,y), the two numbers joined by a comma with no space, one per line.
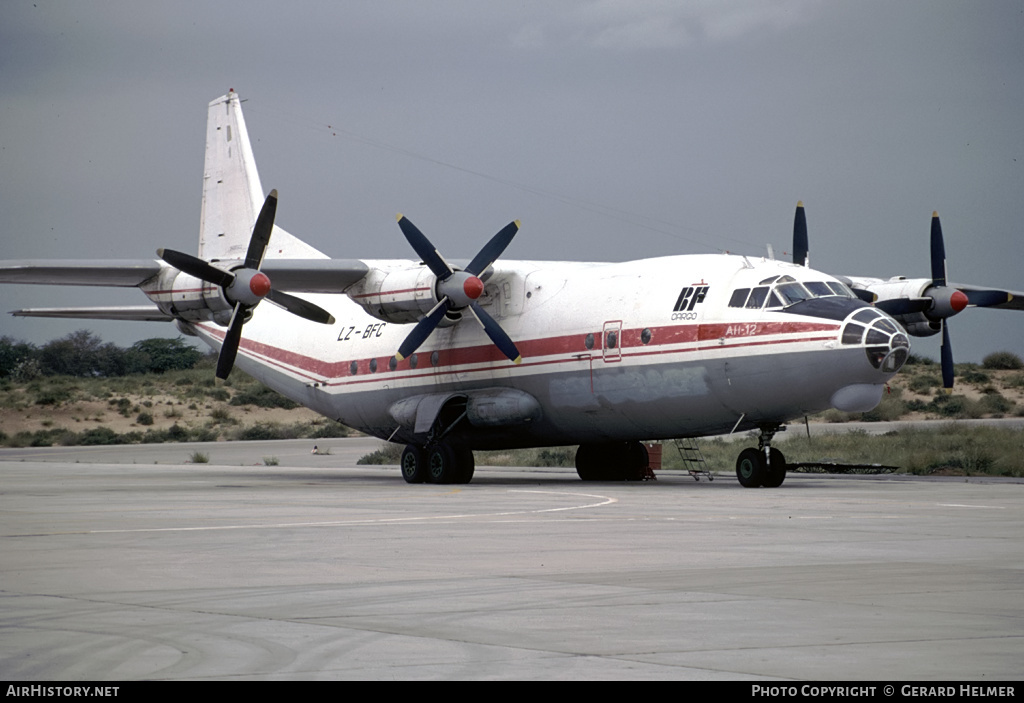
(589,341)
(353,368)
(434,358)
(611,341)
(373,366)
(393,363)
(414,360)
(645,336)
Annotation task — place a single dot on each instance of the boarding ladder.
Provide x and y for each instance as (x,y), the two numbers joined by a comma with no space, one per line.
(693,460)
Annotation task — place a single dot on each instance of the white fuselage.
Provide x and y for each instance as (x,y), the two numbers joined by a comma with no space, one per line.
(636,350)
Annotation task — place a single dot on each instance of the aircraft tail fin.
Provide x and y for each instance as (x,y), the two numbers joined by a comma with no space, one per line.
(232,192)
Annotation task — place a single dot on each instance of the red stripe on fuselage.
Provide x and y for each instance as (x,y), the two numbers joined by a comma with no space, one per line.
(461,359)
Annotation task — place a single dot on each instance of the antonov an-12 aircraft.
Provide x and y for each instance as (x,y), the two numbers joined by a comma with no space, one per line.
(447,357)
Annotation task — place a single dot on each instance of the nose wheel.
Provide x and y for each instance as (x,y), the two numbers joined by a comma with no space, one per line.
(764,466)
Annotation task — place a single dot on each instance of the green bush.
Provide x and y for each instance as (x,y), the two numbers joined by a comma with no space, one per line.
(263,397)
(1002,360)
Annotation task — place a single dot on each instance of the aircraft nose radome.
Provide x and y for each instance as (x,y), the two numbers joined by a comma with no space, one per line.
(474,287)
(259,284)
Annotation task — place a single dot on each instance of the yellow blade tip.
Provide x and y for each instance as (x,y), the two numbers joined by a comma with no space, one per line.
(935,213)
(398,217)
(399,357)
(518,360)
(799,203)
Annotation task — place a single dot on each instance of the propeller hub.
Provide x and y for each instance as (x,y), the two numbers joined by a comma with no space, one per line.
(958,301)
(946,302)
(473,287)
(249,287)
(259,284)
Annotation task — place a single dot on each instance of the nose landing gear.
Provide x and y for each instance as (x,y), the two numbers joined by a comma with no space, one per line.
(763,466)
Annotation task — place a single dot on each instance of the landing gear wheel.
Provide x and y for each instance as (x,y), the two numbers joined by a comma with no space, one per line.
(776,472)
(442,464)
(588,466)
(612,461)
(466,465)
(750,468)
(414,464)
(635,462)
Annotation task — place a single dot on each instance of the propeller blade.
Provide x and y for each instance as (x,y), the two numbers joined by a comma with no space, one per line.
(422,330)
(865,295)
(229,349)
(946,354)
(904,306)
(800,236)
(300,307)
(938,253)
(261,232)
(987,298)
(195,266)
(501,340)
(426,251)
(493,249)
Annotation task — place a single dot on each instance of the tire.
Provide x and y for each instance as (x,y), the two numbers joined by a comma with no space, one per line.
(466,465)
(442,464)
(637,461)
(750,468)
(589,463)
(414,464)
(776,473)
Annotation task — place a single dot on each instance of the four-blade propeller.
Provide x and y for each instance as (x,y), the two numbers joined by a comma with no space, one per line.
(937,302)
(457,289)
(246,286)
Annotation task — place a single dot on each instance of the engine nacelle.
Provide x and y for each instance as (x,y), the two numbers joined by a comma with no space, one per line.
(189,298)
(919,326)
(937,303)
(398,295)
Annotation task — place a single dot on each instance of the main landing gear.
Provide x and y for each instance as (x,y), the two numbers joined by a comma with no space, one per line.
(440,463)
(763,466)
(613,461)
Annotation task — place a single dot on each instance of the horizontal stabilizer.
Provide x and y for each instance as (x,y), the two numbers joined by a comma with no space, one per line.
(69,272)
(138,313)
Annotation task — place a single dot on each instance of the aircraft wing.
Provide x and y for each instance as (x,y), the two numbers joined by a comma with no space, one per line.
(95,272)
(314,275)
(138,313)
(298,275)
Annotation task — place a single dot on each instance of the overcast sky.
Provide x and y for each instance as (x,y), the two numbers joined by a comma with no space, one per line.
(613,130)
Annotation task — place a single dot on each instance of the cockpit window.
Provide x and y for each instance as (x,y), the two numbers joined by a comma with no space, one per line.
(757,296)
(819,289)
(739,297)
(785,292)
(791,293)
